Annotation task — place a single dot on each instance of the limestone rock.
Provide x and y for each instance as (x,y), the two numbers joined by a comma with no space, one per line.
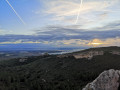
(108,80)
(89,55)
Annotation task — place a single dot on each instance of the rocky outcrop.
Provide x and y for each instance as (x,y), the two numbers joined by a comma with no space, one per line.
(63,56)
(88,55)
(115,52)
(22,60)
(108,80)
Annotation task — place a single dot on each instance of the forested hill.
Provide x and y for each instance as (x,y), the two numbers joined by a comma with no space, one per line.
(53,72)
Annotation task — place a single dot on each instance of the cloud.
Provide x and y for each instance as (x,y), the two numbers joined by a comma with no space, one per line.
(19,42)
(110,30)
(111,26)
(105,42)
(67,10)
(4,31)
(73,42)
(103,15)
(69,35)
(1,30)
(67,32)
(64,37)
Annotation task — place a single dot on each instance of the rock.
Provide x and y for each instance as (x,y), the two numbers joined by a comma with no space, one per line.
(108,80)
(22,60)
(115,52)
(88,55)
(63,56)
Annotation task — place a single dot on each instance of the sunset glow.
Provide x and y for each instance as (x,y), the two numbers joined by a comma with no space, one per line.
(60,23)
(96,42)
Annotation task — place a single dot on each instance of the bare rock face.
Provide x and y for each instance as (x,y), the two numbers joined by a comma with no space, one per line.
(89,55)
(22,60)
(108,80)
(115,52)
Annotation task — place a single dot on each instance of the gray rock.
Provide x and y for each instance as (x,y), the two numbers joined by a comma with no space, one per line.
(108,80)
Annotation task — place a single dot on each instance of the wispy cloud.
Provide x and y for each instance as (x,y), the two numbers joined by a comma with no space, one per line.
(16,12)
(71,42)
(65,10)
(111,26)
(1,30)
(79,11)
(19,42)
(68,36)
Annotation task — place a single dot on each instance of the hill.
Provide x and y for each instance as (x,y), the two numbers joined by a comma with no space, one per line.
(57,72)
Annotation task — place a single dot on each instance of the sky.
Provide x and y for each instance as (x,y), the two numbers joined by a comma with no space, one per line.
(59,23)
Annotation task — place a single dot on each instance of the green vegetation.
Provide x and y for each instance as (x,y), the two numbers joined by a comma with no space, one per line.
(52,73)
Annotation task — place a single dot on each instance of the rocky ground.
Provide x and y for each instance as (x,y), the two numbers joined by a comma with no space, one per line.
(107,80)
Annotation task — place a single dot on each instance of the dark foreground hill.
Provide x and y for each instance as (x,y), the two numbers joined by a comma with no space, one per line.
(51,72)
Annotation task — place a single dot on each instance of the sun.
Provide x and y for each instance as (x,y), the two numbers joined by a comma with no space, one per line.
(96,42)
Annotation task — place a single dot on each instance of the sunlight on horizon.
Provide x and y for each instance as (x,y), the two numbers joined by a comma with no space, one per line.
(97,42)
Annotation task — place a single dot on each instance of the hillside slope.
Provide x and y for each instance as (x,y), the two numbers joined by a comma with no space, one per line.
(51,72)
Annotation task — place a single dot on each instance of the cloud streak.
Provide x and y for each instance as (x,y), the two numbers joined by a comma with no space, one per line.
(16,12)
(79,11)
(63,10)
